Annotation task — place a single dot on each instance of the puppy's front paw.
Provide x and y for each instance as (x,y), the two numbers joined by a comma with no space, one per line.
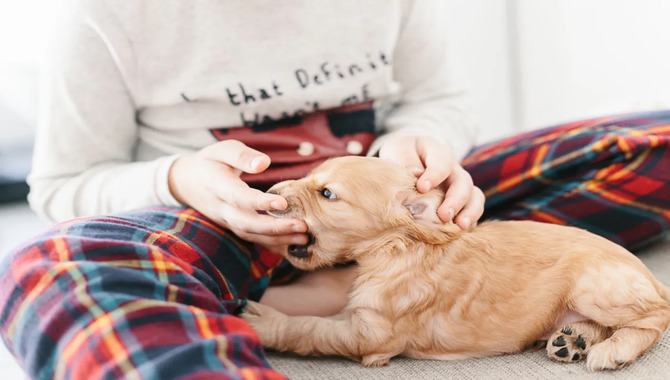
(266,321)
(257,309)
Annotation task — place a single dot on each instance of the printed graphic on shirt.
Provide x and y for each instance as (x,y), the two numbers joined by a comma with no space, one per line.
(298,143)
(301,90)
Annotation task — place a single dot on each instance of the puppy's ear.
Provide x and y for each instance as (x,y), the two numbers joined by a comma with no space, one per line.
(427,226)
(423,207)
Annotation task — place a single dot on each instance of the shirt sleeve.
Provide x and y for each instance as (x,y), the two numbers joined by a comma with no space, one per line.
(432,101)
(87,131)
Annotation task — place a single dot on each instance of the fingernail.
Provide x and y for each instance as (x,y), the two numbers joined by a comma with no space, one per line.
(275,205)
(256,162)
(427,185)
(298,228)
(298,240)
(416,170)
(466,221)
(450,212)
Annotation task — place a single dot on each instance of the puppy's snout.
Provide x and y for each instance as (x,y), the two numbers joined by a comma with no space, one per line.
(279,188)
(285,190)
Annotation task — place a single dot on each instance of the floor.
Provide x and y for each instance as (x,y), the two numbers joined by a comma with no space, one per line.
(17,224)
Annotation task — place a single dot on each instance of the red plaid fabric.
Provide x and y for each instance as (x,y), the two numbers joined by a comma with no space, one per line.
(608,175)
(142,295)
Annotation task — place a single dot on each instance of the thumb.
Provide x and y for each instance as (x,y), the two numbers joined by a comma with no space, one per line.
(238,156)
(257,164)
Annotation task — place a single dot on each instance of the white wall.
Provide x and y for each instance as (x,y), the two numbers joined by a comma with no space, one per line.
(584,58)
(535,63)
(23,28)
(479,39)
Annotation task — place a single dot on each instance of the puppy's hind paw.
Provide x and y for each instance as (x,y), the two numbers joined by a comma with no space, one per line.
(567,346)
(574,341)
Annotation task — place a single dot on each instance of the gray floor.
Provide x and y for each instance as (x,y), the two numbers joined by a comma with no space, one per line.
(18,223)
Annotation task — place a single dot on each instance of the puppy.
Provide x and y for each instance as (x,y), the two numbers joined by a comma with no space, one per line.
(429,290)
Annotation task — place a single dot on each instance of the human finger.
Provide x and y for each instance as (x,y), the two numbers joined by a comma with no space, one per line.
(472,210)
(458,193)
(439,164)
(273,241)
(252,222)
(231,189)
(238,156)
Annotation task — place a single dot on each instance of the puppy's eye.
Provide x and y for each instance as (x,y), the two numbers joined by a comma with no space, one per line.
(326,193)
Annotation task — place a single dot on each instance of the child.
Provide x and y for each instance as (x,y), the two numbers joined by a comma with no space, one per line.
(154,106)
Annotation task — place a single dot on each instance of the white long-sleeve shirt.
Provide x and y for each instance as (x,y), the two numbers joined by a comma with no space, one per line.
(133,84)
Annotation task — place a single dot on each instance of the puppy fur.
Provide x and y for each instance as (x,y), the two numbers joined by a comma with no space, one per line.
(426,289)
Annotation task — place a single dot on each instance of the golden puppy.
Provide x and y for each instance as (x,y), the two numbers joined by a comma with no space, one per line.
(429,290)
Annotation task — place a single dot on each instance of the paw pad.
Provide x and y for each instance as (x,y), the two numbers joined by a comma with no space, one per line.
(562,353)
(565,347)
(559,342)
(566,331)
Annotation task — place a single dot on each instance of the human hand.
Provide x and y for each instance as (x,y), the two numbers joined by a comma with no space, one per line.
(433,164)
(209,181)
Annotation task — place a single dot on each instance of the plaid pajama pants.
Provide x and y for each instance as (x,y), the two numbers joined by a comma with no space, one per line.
(152,294)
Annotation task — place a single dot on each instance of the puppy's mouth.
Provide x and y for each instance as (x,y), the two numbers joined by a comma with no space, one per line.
(297,251)
(301,251)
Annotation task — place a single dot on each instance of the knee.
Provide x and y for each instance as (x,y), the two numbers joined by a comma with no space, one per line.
(29,267)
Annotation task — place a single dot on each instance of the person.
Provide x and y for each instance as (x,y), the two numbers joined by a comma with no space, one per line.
(163,123)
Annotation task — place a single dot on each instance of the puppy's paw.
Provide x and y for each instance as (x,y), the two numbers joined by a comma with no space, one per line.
(567,345)
(257,309)
(610,354)
(574,341)
(375,360)
(265,321)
